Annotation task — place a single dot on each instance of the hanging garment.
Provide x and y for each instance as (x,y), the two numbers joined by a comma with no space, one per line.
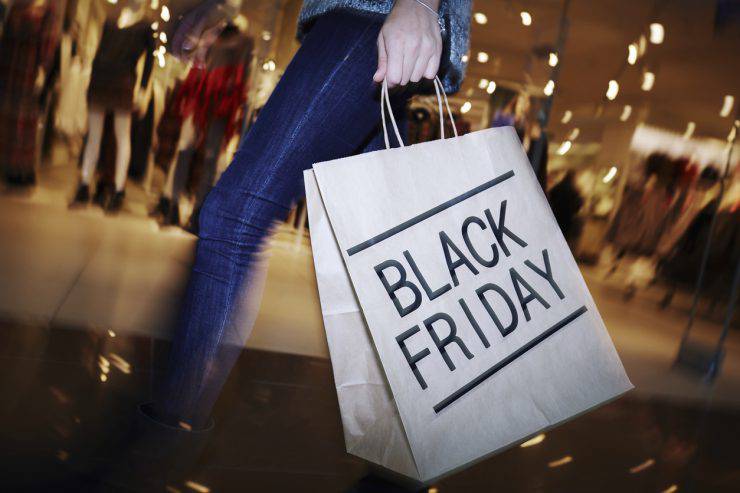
(683,265)
(71,114)
(725,251)
(642,218)
(690,204)
(625,231)
(29,41)
(656,217)
(114,69)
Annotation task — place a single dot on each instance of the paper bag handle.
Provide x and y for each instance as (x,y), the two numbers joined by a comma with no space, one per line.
(385,100)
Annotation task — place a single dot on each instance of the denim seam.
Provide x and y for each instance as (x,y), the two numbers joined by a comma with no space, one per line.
(261,196)
(319,94)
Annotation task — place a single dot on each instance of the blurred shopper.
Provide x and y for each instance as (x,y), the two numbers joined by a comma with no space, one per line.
(325,106)
(30,38)
(566,202)
(126,37)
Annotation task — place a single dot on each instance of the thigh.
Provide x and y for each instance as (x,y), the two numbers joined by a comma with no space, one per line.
(95,122)
(122,125)
(324,107)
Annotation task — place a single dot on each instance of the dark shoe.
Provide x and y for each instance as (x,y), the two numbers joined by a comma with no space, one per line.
(82,197)
(115,204)
(20,180)
(162,207)
(158,454)
(102,195)
(11,178)
(172,216)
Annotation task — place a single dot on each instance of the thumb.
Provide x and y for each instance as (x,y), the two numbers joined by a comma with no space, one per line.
(382,60)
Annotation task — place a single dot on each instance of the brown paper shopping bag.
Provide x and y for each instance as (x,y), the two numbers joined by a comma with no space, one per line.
(457,320)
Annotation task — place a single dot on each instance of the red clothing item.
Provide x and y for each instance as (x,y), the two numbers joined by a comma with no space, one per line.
(219,92)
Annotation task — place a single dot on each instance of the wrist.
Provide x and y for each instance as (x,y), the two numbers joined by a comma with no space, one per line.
(433,5)
(428,6)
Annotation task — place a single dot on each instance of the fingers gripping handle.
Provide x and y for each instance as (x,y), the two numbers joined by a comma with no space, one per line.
(439,89)
(385,103)
(385,98)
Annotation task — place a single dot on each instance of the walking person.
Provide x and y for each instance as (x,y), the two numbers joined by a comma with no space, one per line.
(325,106)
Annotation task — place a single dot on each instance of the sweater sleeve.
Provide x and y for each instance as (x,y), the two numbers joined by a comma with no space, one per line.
(455,15)
(51,31)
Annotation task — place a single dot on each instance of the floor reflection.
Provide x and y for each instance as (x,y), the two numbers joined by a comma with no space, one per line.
(68,397)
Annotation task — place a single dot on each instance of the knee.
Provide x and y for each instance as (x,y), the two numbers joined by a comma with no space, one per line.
(211,223)
(238,218)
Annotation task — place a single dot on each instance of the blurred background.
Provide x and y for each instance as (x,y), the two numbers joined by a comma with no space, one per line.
(627,109)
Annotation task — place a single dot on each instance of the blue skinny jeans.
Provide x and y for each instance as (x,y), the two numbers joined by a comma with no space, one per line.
(326,106)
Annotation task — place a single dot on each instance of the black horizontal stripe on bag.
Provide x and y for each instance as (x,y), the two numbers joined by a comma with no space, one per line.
(509,359)
(427,214)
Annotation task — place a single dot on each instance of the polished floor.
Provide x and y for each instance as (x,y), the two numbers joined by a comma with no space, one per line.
(278,428)
(86,303)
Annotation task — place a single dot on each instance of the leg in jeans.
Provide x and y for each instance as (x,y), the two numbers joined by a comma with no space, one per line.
(324,107)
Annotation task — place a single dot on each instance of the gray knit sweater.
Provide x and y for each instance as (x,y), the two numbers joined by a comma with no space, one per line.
(454,13)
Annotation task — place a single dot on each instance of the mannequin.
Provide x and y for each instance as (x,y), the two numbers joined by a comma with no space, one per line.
(112,88)
(211,100)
